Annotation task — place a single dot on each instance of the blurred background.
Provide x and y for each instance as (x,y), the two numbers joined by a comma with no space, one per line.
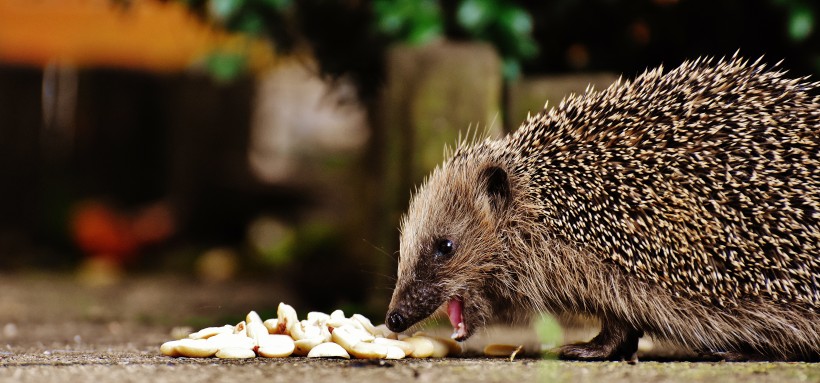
(279,140)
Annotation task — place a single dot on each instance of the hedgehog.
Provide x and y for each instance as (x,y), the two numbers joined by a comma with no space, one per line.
(683,205)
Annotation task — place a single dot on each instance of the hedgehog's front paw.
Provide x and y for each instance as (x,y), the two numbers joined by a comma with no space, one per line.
(589,351)
(612,343)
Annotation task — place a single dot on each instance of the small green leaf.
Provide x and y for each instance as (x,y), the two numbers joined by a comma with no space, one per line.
(473,15)
(516,20)
(392,16)
(390,24)
(250,23)
(549,331)
(225,67)
(381,7)
(412,21)
(526,47)
(801,22)
(425,30)
(511,68)
(222,10)
(513,37)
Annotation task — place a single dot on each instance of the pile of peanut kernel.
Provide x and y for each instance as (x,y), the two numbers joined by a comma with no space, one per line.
(319,336)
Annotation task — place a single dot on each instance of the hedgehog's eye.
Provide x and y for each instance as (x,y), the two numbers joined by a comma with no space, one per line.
(444,247)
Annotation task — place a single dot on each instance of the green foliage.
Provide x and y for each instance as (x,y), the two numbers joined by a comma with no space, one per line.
(411,21)
(253,17)
(225,66)
(506,26)
(223,10)
(257,18)
(348,37)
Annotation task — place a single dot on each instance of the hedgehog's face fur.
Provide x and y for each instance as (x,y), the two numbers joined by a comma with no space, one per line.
(452,247)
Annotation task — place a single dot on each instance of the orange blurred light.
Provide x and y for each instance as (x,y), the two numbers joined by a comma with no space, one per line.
(146,34)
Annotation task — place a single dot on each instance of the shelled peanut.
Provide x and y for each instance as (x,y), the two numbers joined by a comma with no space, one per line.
(320,335)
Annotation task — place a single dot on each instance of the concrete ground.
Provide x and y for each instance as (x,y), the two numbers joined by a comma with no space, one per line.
(55,330)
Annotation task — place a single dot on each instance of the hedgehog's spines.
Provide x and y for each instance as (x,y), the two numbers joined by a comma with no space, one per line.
(717,231)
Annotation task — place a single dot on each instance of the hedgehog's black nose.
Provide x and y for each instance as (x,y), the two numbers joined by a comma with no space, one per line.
(396,322)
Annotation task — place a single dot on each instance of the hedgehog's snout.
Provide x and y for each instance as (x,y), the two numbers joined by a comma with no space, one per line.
(411,304)
(396,321)
(401,311)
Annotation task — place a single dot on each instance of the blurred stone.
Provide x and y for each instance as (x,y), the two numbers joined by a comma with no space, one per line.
(217,265)
(102,231)
(10,331)
(153,223)
(100,271)
(298,114)
(272,240)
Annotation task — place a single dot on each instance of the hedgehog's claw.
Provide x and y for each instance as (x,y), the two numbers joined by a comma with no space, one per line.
(612,343)
(591,351)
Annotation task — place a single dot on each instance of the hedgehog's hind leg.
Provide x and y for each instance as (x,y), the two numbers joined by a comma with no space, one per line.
(615,342)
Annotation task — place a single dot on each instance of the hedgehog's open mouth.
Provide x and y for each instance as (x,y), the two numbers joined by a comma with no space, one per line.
(455,310)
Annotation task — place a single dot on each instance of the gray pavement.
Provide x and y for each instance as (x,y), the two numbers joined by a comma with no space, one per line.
(55,330)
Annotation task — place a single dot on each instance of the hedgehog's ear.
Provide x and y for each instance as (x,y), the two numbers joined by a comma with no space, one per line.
(497,186)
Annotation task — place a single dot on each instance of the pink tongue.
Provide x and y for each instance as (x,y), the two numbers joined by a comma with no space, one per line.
(454,311)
